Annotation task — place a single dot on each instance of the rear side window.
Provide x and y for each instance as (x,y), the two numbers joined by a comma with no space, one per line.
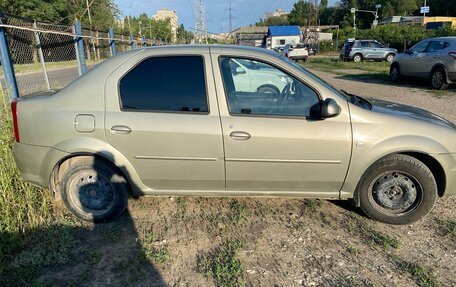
(364,44)
(165,84)
(437,45)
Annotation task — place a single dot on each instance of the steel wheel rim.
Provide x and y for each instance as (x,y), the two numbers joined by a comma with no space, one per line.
(437,79)
(92,193)
(395,193)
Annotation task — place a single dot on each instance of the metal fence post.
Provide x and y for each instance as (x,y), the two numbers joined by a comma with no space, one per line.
(6,61)
(41,56)
(112,43)
(132,41)
(79,46)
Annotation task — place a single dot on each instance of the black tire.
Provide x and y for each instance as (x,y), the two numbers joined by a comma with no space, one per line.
(438,79)
(94,191)
(395,73)
(397,189)
(357,58)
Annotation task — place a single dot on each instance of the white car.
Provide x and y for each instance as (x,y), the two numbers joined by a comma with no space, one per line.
(296,52)
(253,76)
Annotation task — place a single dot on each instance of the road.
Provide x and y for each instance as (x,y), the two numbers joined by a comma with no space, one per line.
(33,82)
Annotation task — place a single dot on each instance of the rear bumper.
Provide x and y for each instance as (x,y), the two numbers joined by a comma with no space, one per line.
(452,76)
(300,57)
(36,162)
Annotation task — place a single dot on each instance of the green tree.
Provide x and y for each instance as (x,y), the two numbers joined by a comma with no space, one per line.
(300,13)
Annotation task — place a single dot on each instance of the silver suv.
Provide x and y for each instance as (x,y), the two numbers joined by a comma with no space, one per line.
(360,50)
(433,59)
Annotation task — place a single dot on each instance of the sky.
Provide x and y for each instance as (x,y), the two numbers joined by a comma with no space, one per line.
(245,12)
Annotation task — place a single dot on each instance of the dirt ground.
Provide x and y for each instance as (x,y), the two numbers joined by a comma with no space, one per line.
(185,241)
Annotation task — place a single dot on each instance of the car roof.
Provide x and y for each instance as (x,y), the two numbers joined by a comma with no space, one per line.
(448,38)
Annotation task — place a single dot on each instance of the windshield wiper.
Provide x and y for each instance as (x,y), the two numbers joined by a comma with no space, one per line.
(357,100)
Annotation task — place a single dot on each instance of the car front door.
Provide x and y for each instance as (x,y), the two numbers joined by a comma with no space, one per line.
(271,141)
(376,50)
(411,65)
(161,114)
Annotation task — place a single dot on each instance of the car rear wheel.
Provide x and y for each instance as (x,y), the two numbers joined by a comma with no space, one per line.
(395,73)
(94,191)
(398,189)
(389,58)
(438,79)
(357,58)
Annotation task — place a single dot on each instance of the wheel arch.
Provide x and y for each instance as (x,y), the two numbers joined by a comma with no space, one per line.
(97,150)
(440,65)
(435,167)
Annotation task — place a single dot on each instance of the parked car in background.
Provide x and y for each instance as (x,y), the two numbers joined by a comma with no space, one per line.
(188,128)
(296,52)
(360,50)
(279,49)
(433,59)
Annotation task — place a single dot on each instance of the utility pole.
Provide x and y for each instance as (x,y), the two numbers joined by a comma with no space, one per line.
(231,19)
(200,22)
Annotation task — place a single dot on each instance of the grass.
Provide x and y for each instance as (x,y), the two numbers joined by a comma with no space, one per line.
(34,233)
(222,265)
(449,227)
(422,276)
(331,64)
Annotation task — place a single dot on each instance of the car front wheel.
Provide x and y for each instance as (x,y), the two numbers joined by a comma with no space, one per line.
(397,189)
(94,191)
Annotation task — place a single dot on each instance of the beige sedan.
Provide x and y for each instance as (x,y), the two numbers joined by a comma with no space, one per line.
(176,121)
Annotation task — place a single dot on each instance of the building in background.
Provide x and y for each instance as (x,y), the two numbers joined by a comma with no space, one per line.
(282,35)
(276,13)
(172,16)
(429,22)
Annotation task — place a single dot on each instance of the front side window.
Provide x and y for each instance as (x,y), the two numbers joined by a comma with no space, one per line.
(265,90)
(165,84)
(419,48)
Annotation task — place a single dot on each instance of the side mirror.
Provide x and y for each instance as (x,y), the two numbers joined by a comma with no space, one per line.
(329,108)
(239,70)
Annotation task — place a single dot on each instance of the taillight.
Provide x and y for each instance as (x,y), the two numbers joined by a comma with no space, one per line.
(452,54)
(15,125)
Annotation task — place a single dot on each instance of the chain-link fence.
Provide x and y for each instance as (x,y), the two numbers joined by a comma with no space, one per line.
(48,56)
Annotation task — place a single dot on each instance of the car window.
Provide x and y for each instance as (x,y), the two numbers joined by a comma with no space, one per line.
(165,84)
(436,46)
(375,45)
(419,48)
(267,91)
(364,44)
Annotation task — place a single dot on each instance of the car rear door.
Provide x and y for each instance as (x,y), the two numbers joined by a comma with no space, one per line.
(161,114)
(272,144)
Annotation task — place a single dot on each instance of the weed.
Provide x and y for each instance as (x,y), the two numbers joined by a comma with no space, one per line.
(95,257)
(422,276)
(352,249)
(157,254)
(222,265)
(449,227)
(236,210)
(310,206)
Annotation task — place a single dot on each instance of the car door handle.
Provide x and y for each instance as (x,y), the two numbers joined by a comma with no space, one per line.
(240,136)
(119,129)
